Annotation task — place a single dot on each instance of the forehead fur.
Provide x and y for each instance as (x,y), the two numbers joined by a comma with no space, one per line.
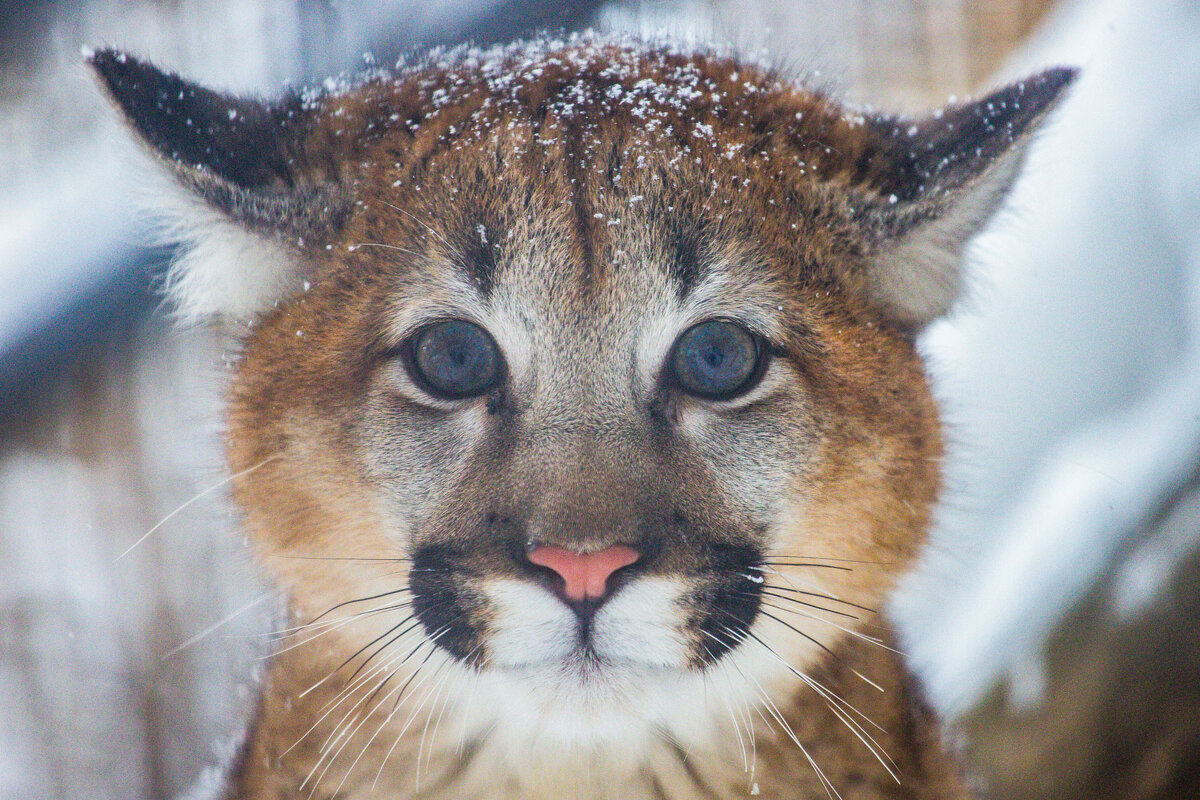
(584,92)
(563,129)
(560,182)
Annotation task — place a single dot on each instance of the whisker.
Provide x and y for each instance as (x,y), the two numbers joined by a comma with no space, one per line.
(849,631)
(396,707)
(285,633)
(274,593)
(825,596)
(348,691)
(332,706)
(410,621)
(830,697)
(774,711)
(784,558)
(194,498)
(800,612)
(773,563)
(407,250)
(330,627)
(388,663)
(416,672)
(437,723)
(465,716)
(421,222)
(415,622)
(817,642)
(797,602)
(433,692)
(359,600)
(393,560)
(841,710)
(737,728)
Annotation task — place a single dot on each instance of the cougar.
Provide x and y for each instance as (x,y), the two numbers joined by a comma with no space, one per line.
(577,412)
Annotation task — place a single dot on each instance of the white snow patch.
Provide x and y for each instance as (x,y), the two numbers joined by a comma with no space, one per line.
(1071,380)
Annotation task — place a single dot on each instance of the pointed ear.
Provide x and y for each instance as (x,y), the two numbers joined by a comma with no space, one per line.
(932,184)
(259,189)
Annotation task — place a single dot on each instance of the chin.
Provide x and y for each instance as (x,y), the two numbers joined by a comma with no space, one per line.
(618,682)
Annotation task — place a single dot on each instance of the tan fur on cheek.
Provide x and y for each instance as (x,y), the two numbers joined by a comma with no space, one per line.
(307,506)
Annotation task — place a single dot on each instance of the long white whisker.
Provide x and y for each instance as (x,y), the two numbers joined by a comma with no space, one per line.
(850,631)
(407,621)
(335,624)
(387,756)
(342,730)
(274,593)
(829,697)
(388,662)
(194,498)
(425,729)
(737,728)
(470,702)
(769,704)
(286,633)
(383,699)
(349,690)
(833,701)
(445,704)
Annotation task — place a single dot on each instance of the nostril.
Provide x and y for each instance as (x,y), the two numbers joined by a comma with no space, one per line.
(585,575)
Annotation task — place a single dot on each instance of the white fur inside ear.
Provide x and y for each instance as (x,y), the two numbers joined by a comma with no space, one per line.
(222,268)
(917,276)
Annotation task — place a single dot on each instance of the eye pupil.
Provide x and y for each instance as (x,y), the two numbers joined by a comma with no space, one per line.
(455,359)
(716,360)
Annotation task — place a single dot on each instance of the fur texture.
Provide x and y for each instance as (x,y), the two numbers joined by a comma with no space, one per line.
(586,204)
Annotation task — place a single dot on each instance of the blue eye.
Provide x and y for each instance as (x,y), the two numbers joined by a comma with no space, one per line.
(716,360)
(454,359)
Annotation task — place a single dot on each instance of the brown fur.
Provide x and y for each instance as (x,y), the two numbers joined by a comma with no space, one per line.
(579,193)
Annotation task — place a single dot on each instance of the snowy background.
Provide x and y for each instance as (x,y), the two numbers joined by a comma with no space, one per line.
(1055,615)
(1070,378)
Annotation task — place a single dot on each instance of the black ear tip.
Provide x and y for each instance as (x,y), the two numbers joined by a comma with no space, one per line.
(110,65)
(124,76)
(1048,86)
(1055,79)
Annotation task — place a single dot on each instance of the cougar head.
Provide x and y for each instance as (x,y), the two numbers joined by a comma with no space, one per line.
(583,371)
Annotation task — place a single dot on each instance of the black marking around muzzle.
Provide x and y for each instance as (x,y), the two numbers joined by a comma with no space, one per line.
(444,606)
(729,603)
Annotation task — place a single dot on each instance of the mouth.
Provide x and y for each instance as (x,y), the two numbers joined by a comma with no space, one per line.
(587,665)
(593,616)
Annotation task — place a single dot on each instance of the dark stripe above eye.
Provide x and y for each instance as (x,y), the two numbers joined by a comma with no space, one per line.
(476,254)
(685,254)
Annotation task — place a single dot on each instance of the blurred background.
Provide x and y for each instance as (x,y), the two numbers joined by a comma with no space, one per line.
(1055,617)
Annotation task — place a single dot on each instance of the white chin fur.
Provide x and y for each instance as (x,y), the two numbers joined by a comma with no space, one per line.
(543,692)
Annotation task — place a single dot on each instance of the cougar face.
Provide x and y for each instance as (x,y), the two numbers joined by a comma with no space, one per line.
(581,392)
(590,516)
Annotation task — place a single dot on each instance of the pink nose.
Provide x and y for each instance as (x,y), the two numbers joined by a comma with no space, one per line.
(585,575)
